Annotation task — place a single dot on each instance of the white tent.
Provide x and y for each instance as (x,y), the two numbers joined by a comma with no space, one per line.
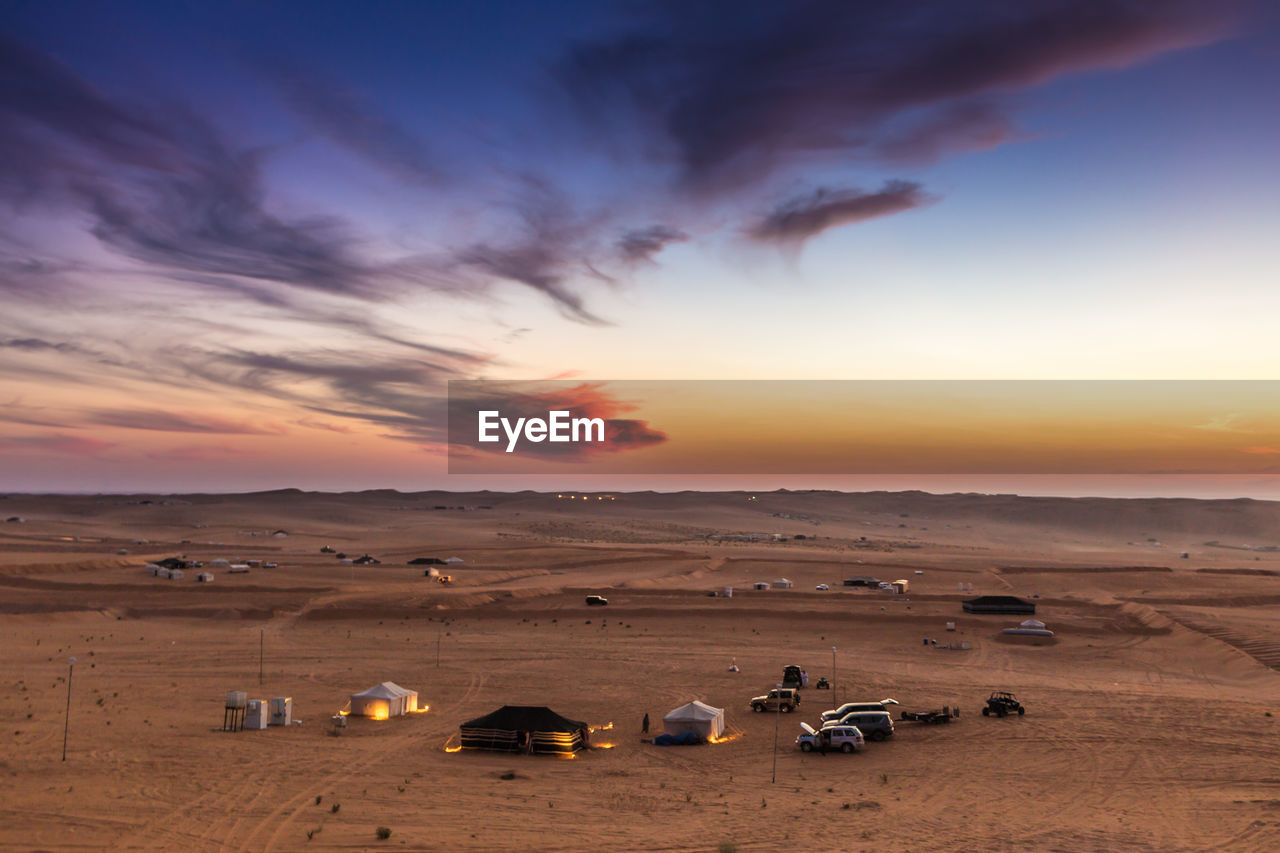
(453,561)
(205,577)
(219,563)
(1032,623)
(696,717)
(782,583)
(384,700)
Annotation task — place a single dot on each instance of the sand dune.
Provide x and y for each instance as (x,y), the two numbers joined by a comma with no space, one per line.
(1149,722)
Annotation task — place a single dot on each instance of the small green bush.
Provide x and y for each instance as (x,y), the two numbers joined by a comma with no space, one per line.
(384,832)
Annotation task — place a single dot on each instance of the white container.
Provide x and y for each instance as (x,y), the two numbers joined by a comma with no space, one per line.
(282,711)
(236,698)
(256,715)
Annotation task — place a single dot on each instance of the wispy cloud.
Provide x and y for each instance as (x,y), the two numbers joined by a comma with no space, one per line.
(798,219)
(641,244)
(733,93)
(161,421)
(61,443)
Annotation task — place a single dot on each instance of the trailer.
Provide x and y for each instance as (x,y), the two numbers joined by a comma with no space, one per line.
(938,716)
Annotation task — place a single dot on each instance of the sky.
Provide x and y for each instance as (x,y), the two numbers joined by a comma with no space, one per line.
(247,246)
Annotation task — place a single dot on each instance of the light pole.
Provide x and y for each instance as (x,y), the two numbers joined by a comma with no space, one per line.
(835,692)
(777,719)
(66,724)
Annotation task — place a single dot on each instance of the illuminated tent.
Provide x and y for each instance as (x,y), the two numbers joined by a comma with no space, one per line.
(695,718)
(525,728)
(384,700)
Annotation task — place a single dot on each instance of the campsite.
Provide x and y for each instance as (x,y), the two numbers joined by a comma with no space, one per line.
(511,654)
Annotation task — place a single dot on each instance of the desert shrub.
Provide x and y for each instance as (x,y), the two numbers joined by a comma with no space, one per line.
(384,832)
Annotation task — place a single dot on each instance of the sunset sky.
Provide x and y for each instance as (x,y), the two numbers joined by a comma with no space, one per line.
(246,245)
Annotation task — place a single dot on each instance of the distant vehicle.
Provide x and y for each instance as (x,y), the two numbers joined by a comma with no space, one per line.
(850,707)
(794,676)
(1002,704)
(823,587)
(326,550)
(874,725)
(844,738)
(597,600)
(445,579)
(784,699)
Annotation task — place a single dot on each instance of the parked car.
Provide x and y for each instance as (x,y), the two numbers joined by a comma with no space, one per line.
(844,738)
(823,587)
(784,699)
(850,707)
(597,601)
(874,725)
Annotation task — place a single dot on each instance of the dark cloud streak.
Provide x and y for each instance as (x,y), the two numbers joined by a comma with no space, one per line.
(735,92)
(796,220)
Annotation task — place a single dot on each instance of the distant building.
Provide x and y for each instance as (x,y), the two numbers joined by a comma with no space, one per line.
(998,604)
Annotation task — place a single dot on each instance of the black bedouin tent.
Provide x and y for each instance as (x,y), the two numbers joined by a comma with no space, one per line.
(527,729)
(998,604)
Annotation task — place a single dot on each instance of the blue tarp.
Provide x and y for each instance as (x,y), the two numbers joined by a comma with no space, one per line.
(686,739)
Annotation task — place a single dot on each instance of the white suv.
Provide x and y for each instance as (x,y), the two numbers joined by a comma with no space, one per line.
(843,738)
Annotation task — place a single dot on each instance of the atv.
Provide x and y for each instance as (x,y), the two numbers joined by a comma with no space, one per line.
(1002,704)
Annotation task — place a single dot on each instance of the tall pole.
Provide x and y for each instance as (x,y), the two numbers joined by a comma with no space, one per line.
(66,725)
(835,693)
(262,639)
(777,718)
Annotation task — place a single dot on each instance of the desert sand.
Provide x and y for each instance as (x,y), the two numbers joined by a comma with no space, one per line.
(1150,718)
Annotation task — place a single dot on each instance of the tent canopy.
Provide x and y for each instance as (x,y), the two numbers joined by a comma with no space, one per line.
(528,718)
(696,717)
(524,728)
(385,690)
(387,699)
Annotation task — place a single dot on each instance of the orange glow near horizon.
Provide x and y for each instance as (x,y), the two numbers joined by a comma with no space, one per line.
(931,427)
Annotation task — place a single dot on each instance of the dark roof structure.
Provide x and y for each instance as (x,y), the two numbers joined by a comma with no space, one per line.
(998,604)
(525,728)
